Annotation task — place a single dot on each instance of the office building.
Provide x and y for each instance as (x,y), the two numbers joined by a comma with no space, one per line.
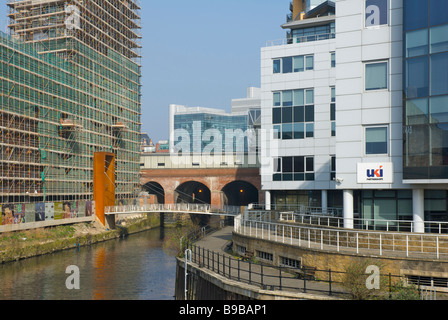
(332,95)
(210,130)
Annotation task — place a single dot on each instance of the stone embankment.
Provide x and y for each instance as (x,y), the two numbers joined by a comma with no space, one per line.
(16,246)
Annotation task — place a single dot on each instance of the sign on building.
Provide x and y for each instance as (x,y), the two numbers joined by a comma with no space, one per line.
(375,173)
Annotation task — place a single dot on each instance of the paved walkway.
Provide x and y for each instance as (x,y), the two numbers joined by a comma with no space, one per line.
(268,276)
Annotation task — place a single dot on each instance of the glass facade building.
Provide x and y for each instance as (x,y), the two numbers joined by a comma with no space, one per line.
(203,128)
(425,153)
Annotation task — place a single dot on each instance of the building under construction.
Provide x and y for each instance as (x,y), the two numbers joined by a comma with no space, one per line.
(69,87)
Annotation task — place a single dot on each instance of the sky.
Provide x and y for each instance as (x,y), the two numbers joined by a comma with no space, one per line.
(199,53)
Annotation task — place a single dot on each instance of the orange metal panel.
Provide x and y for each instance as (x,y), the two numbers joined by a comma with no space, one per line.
(103,183)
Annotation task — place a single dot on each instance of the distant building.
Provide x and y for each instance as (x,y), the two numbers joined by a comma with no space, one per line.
(207,127)
(163,146)
(147,146)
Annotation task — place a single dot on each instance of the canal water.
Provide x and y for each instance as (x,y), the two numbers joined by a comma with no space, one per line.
(134,268)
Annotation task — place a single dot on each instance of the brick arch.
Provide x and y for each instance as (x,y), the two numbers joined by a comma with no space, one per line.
(214,179)
(240,193)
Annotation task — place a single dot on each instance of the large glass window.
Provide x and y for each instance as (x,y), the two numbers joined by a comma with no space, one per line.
(417,111)
(314,33)
(417,43)
(439,144)
(439,73)
(438,108)
(295,118)
(294,169)
(417,82)
(376,140)
(438,12)
(376,76)
(416,14)
(439,39)
(293,64)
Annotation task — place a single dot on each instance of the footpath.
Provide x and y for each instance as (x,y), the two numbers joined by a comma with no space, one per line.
(218,242)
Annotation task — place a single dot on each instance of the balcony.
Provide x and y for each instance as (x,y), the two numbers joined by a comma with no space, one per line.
(302,39)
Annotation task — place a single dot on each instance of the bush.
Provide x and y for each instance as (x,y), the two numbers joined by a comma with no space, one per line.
(356,279)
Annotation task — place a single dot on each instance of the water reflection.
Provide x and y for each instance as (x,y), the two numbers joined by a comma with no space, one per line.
(135,268)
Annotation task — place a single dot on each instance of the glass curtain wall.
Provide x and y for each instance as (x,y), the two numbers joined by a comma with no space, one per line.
(426,89)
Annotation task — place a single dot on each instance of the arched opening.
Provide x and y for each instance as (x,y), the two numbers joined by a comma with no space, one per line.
(156,189)
(239,193)
(194,192)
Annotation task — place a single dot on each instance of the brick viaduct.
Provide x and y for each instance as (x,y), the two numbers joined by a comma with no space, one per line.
(231,186)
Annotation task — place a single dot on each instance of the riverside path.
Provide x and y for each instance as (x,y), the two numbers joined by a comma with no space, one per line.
(285,284)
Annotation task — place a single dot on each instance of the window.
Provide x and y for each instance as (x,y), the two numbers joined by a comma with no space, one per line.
(376,140)
(333,59)
(439,39)
(294,169)
(376,76)
(277,65)
(437,12)
(287,65)
(299,64)
(309,62)
(439,75)
(333,168)
(265,255)
(333,111)
(417,43)
(288,262)
(314,33)
(293,114)
(293,64)
(417,82)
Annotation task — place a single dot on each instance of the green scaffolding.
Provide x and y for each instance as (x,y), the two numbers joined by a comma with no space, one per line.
(56,112)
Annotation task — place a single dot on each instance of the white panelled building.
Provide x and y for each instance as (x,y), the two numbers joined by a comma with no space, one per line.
(333,100)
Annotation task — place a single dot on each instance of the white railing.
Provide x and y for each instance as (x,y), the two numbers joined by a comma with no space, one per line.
(297,208)
(302,39)
(364,223)
(333,217)
(180,207)
(349,241)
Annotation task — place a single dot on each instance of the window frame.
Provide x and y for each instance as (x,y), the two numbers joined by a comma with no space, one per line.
(387,140)
(369,63)
(305,59)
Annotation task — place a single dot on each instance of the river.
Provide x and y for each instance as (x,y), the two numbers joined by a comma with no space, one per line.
(134,268)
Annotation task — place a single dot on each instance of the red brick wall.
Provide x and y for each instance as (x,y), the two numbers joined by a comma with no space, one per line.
(214,179)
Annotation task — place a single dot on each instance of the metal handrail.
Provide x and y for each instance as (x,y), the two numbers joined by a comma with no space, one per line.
(367,242)
(301,39)
(179,207)
(283,278)
(333,217)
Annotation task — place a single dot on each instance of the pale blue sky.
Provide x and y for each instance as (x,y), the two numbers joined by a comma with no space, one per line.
(200,52)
